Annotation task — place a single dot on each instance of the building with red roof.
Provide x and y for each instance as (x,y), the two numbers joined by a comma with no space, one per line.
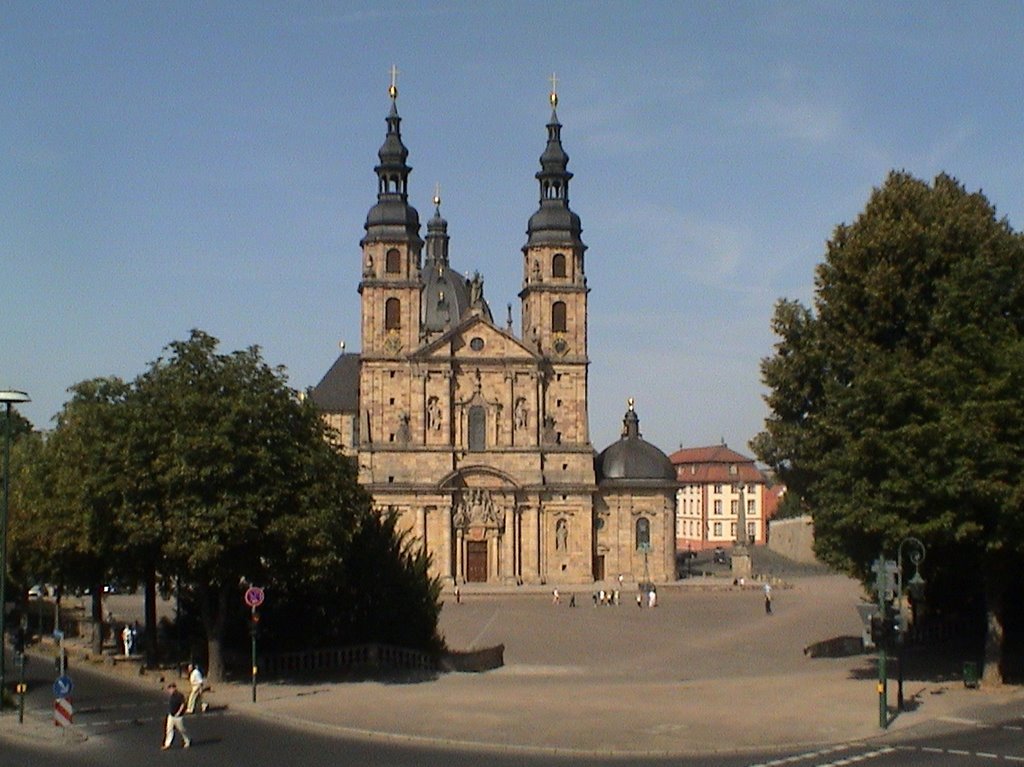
(713,482)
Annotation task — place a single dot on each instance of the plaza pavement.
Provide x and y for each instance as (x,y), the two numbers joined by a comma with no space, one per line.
(705,671)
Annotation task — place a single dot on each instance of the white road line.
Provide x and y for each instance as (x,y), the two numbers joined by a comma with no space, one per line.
(957,720)
(859,757)
(986,755)
(807,755)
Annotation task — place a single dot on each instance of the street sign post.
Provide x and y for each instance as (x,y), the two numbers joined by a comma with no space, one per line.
(885,586)
(63,686)
(63,712)
(254,598)
(22,687)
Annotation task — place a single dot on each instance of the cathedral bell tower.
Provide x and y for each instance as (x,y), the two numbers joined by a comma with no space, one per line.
(390,286)
(554,294)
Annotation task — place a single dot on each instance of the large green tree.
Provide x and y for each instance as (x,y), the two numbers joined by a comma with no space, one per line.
(28,555)
(71,491)
(897,403)
(208,473)
(243,482)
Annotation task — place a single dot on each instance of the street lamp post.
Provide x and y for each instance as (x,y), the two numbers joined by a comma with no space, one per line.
(916,587)
(9,398)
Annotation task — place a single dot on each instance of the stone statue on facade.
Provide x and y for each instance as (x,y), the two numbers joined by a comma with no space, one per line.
(433,414)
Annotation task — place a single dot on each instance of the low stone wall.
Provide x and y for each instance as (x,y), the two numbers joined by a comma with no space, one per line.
(472,661)
(374,657)
(358,658)
(793,538)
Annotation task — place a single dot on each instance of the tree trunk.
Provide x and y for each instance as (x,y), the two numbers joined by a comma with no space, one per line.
(214,619)
(993,674)
(98,626)
(152,648)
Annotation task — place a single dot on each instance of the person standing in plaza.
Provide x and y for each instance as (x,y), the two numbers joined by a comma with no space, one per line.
(768,599)
(195,695)
(175,718)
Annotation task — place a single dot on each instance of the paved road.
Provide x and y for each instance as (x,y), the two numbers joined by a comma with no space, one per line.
(707,672)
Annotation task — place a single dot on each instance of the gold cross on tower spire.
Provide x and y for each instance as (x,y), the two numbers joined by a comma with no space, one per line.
(554,91)
(393,88)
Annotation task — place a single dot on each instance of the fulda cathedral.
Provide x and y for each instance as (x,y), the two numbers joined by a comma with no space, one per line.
(476,437)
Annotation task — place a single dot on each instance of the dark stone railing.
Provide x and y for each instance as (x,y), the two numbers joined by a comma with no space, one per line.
(368,657)
(377,657)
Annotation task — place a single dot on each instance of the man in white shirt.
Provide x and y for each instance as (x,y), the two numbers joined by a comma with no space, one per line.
(195,695)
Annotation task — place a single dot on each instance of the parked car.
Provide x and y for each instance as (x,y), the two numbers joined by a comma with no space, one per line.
(39,591)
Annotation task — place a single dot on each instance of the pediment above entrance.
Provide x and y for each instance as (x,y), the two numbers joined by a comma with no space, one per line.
(478,476)
(477,339)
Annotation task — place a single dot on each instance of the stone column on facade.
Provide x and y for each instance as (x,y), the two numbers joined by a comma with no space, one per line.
(517,544)
(513,433)
(527,564)
(445,562)
(494,557)
(542,544)
(449,406)
(424,417)
(508,557)
(460,551)
(423,528)
(541,415)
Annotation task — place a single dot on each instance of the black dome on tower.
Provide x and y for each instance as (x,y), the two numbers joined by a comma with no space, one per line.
(392,218)
(554,223)
(633,459)
(446,293)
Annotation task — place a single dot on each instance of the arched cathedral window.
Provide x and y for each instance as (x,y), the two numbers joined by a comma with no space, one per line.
(558,320)
(392,314)
(393,262)
(558,265)
(477,428)
(643,534)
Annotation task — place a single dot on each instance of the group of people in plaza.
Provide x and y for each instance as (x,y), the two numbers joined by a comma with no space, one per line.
(178,706)
(644,598)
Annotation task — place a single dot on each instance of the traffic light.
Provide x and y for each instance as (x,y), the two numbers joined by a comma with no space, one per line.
(877,630)
(895,621)
(886,628)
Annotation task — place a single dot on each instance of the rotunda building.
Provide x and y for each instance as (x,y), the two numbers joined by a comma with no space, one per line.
(634,508)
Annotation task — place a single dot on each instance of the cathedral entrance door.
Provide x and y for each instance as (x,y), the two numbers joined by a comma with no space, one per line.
(599,567)
(476,561)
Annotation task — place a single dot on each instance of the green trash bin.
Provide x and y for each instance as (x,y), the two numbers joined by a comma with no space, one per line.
(971,675)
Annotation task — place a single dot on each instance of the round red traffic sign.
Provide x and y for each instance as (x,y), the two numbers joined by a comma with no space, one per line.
(254,596)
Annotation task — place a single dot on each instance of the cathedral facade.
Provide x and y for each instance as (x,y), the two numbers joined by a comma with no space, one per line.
(477,437)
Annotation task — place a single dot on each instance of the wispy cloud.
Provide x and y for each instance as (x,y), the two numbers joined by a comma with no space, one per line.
(699,249)
(798,117)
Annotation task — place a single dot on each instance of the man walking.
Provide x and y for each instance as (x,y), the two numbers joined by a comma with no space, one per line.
(195,695)
(768,598)
(175,718)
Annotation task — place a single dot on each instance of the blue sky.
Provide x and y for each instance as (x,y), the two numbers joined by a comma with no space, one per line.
(170,166)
